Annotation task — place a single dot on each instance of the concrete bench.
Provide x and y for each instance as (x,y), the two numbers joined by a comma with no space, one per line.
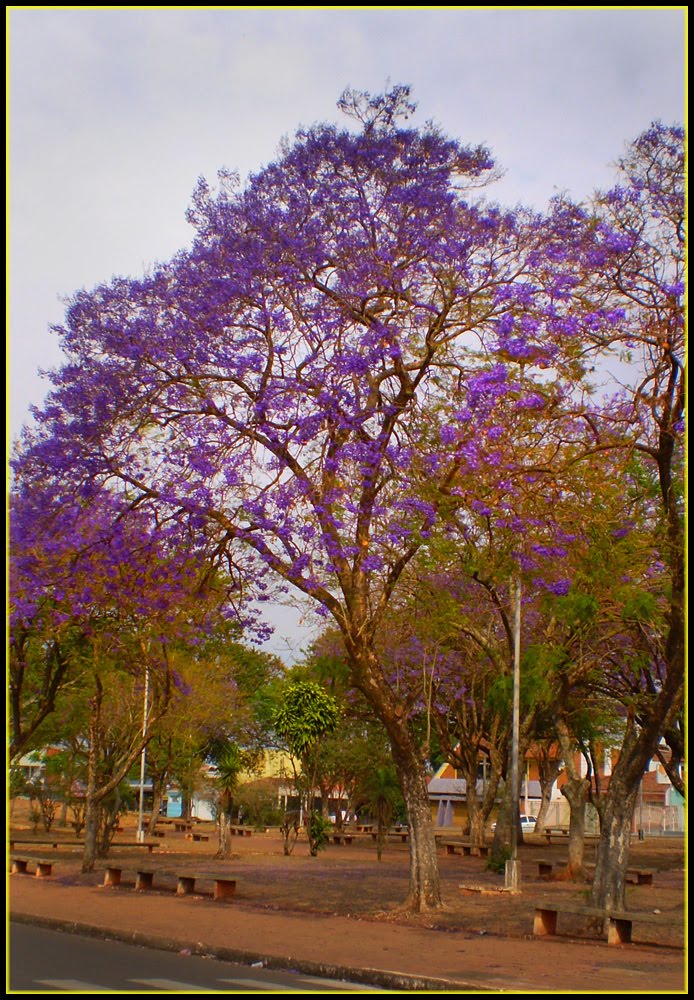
(241,831)
(44,868)
(55,844)
(637,876)
(116,845)
(466,849)
(341,838)
(224,885)
(402,835)
(196,836)
(619,922)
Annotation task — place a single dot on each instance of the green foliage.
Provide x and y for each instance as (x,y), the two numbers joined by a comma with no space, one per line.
(380,793)
(576,610)
(538,666)
(306,713)
(319,829)
(230,761)
(17,784)
(497,862)
(639,606)
(259,805)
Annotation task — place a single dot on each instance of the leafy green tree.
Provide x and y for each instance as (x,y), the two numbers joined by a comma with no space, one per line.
(306,714)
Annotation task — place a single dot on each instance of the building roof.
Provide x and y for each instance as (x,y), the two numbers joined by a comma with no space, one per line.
(455,788)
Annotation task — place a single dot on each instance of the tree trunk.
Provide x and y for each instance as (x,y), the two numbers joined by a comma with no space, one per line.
(91,832)
(474,810)
(224,845)
(424,889)
(91,807)
(609,883)
(549,772)
(638,747)
(575,791)
(380,840)
(157,798)
(186,803)
(110,813)
(501,844)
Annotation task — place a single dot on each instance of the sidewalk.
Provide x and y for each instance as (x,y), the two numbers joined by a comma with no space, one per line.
(361,950)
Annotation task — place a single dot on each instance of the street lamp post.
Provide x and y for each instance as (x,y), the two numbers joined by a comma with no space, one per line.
(143,757)
(513,868)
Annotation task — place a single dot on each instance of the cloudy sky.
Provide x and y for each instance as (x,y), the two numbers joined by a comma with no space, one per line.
(115,112)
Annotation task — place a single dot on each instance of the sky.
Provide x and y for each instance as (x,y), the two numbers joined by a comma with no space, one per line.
(115,112)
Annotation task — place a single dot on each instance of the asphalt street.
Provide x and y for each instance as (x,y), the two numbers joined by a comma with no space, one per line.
(46,961)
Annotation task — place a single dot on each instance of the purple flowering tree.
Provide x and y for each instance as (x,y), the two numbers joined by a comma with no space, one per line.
(98,595)
(645,280)
(305,384)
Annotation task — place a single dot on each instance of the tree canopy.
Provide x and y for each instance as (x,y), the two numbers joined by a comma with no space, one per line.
(358,353)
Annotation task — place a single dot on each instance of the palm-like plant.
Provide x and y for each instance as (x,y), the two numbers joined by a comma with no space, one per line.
(229,761)
(381,794)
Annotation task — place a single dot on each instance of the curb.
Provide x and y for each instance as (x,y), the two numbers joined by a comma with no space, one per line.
(370,977)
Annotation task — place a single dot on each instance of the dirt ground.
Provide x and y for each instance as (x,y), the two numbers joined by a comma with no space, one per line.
(348,882)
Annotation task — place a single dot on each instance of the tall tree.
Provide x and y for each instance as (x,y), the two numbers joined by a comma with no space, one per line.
(645,279)
(273,383)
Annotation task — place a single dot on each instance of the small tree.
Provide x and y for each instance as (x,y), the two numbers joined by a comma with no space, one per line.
(307,713)
(229,761)
(381,794)
(44,793)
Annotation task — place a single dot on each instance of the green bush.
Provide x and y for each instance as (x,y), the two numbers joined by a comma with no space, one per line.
(497,863)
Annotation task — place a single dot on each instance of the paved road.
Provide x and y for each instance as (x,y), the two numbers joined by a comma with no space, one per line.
(44,961)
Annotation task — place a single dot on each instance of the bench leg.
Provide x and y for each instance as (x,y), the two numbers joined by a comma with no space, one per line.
(618,931)
(19,866)
(544,867)
(545,922)
(112,876)
(144,880)
(44,869)
(224,888)
(186,885)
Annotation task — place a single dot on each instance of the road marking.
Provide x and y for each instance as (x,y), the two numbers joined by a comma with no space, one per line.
(265,985)
(343,984)
(321,984)
(74,986)
(173,985)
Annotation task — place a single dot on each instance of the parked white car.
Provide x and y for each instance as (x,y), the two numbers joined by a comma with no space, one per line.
(527,824)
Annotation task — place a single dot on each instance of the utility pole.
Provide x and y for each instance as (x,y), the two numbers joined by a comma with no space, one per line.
(143,756)
(513,868)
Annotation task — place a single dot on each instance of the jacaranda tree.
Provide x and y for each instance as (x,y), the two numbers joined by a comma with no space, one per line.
(272,384)
(103,599)
(645,279)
